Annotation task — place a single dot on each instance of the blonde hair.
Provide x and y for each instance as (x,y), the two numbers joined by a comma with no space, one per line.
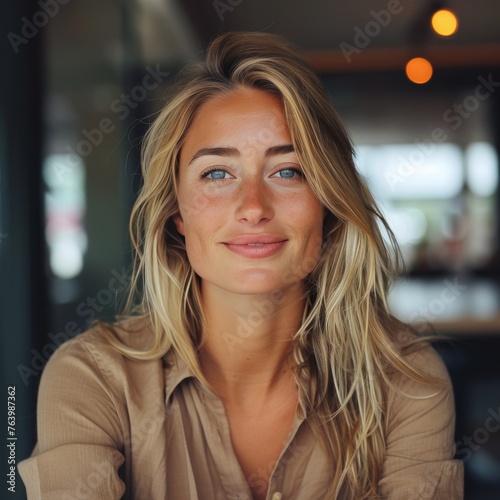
(348,342)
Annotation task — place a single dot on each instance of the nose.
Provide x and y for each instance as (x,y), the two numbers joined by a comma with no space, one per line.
(254,202)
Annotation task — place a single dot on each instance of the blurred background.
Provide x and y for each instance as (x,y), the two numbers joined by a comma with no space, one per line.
(82,81)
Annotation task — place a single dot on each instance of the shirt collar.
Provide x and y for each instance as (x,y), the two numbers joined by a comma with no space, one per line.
(176,370)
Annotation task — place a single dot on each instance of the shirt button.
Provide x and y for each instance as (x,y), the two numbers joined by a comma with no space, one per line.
(277,496)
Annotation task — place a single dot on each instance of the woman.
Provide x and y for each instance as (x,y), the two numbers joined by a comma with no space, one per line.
(260,360)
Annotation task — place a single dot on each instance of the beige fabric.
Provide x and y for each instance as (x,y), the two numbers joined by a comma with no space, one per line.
(110,427)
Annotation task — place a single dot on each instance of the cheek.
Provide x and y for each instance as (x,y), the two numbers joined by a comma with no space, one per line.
(196,203)
(192,205)
(202,216)
(195,240)
(312,251)
(309,214)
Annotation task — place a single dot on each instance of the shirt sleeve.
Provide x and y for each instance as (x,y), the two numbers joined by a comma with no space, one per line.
(420,447)
(79,433)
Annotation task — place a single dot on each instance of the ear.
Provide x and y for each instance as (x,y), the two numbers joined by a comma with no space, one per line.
(179,224)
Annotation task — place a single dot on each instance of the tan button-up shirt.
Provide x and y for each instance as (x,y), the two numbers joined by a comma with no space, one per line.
(110,427)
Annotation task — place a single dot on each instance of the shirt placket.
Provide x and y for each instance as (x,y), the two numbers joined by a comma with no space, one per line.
(219,438)
(276,485)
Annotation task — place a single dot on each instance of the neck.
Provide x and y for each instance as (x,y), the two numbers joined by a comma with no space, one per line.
(247,341)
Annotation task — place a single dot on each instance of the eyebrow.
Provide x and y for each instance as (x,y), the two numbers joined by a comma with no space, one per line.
(272,151)
(279,150)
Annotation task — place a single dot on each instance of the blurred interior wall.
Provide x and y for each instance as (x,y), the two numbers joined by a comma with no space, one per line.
(22,261)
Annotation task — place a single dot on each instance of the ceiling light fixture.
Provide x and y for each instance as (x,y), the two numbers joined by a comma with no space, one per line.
(444,22)
(419,70)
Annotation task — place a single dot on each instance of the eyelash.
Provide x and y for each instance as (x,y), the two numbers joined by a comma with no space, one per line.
(204,175)
(296,170)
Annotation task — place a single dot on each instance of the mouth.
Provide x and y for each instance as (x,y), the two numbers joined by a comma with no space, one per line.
(253,246)
(255,240)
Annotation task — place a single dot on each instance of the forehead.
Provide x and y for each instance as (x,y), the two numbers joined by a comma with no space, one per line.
(242,118)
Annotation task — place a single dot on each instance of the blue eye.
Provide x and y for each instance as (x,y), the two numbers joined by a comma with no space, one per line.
(288,173)
(216,174)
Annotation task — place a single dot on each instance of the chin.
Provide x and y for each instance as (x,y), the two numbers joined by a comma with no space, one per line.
(257,285)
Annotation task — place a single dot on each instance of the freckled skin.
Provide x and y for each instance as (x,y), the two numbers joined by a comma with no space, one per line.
(247,193)
(252,188)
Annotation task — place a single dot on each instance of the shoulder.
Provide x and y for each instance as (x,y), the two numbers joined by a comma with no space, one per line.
(134,333)
(87,380)
(90,356)
(420,424)
(416,407)
(422,359)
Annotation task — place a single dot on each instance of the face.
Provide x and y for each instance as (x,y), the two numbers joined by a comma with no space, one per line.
(251,222)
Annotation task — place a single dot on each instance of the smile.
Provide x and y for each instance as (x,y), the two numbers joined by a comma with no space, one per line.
(256,247)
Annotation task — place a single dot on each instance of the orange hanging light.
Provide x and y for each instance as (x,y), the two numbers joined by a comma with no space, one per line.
(419,70)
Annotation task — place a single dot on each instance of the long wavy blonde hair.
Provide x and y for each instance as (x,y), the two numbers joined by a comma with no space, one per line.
(348,342)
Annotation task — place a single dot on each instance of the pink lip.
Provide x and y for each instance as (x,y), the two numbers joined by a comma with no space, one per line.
(255,246)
